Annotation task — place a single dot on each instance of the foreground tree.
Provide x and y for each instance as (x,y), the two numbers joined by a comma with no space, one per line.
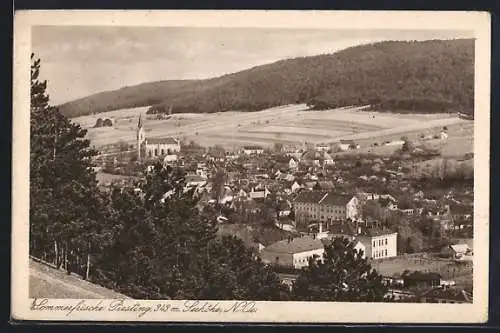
(64,205)
(343,275)
(164,248)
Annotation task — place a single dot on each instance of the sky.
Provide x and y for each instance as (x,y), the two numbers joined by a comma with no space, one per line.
(78,61)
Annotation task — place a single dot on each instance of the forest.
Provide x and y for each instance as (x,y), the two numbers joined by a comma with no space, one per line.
(392,76)
(149,246)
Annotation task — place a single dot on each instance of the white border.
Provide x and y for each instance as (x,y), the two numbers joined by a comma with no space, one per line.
(312,312)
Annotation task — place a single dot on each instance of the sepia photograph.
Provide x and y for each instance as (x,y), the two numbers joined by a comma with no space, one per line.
(247,166)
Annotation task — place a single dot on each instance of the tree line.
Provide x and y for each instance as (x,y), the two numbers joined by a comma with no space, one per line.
(151,242)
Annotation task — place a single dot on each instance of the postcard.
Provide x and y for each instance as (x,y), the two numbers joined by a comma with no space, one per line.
(251,166)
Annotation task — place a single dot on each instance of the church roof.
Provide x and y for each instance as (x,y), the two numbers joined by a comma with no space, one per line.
(169,141)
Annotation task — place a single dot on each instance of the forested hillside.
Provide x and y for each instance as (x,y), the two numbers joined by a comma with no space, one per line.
(429,76)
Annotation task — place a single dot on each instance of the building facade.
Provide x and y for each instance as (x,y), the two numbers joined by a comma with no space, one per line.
(379,243)
(325,207)
(253,150)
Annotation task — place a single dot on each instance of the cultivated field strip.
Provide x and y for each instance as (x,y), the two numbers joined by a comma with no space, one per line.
(291,124)
(334,124)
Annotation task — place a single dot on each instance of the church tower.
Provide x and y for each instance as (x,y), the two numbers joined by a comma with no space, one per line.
(141,137)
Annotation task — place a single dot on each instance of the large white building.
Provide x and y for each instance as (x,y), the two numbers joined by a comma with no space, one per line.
(293,252)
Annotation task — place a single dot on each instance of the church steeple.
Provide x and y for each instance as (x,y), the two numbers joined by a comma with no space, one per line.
(139,123)
(140,137)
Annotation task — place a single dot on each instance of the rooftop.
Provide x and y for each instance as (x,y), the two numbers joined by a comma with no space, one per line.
(342,229)
(336,199)
(168,141)
(296,245)
(375,232)
(323,198)
(310,197)
(252,147)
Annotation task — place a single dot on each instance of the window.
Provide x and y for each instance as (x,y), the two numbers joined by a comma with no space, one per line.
(386,252)
(162,151)
(156,152)
(149,153)
(374,244)
(386,241)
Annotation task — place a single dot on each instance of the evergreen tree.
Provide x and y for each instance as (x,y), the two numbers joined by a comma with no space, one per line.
(343,275)
(64,207)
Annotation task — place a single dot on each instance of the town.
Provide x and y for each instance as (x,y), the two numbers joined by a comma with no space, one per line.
(286,202)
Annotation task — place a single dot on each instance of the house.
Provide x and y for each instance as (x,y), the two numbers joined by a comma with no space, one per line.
(398,295)
(195,181)
(346,145)
(326,184)
(310,185)
(322,147)
(388,201)
(408,211)
(293,252)
(394,143)
(253,150)
(357,245)
(226,195)
(295,187)
(284,208)
(445,294)
(290,149)
(325,206)
(259,194)
(458,251)
(422,280)
(169,158)
(316,158)
(379,243)
(293,164)
(287,177)
(343,230)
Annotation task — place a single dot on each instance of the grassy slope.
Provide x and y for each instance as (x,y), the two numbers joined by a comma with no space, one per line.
(428,76)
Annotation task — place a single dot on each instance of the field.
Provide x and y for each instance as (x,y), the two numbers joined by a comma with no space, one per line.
(461,273)
(291,124)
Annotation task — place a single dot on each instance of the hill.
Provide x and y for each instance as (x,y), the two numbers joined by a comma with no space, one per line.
(405,77)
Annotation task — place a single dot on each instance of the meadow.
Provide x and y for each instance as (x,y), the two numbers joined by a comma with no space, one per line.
(290,124)
(461,273)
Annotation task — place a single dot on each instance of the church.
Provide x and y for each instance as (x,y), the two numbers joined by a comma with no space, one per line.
(154,147)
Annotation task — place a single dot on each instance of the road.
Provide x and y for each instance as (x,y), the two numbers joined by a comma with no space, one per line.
(48,282)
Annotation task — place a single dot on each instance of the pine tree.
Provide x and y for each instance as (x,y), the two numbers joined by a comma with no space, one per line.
(64,207)
(343,275)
